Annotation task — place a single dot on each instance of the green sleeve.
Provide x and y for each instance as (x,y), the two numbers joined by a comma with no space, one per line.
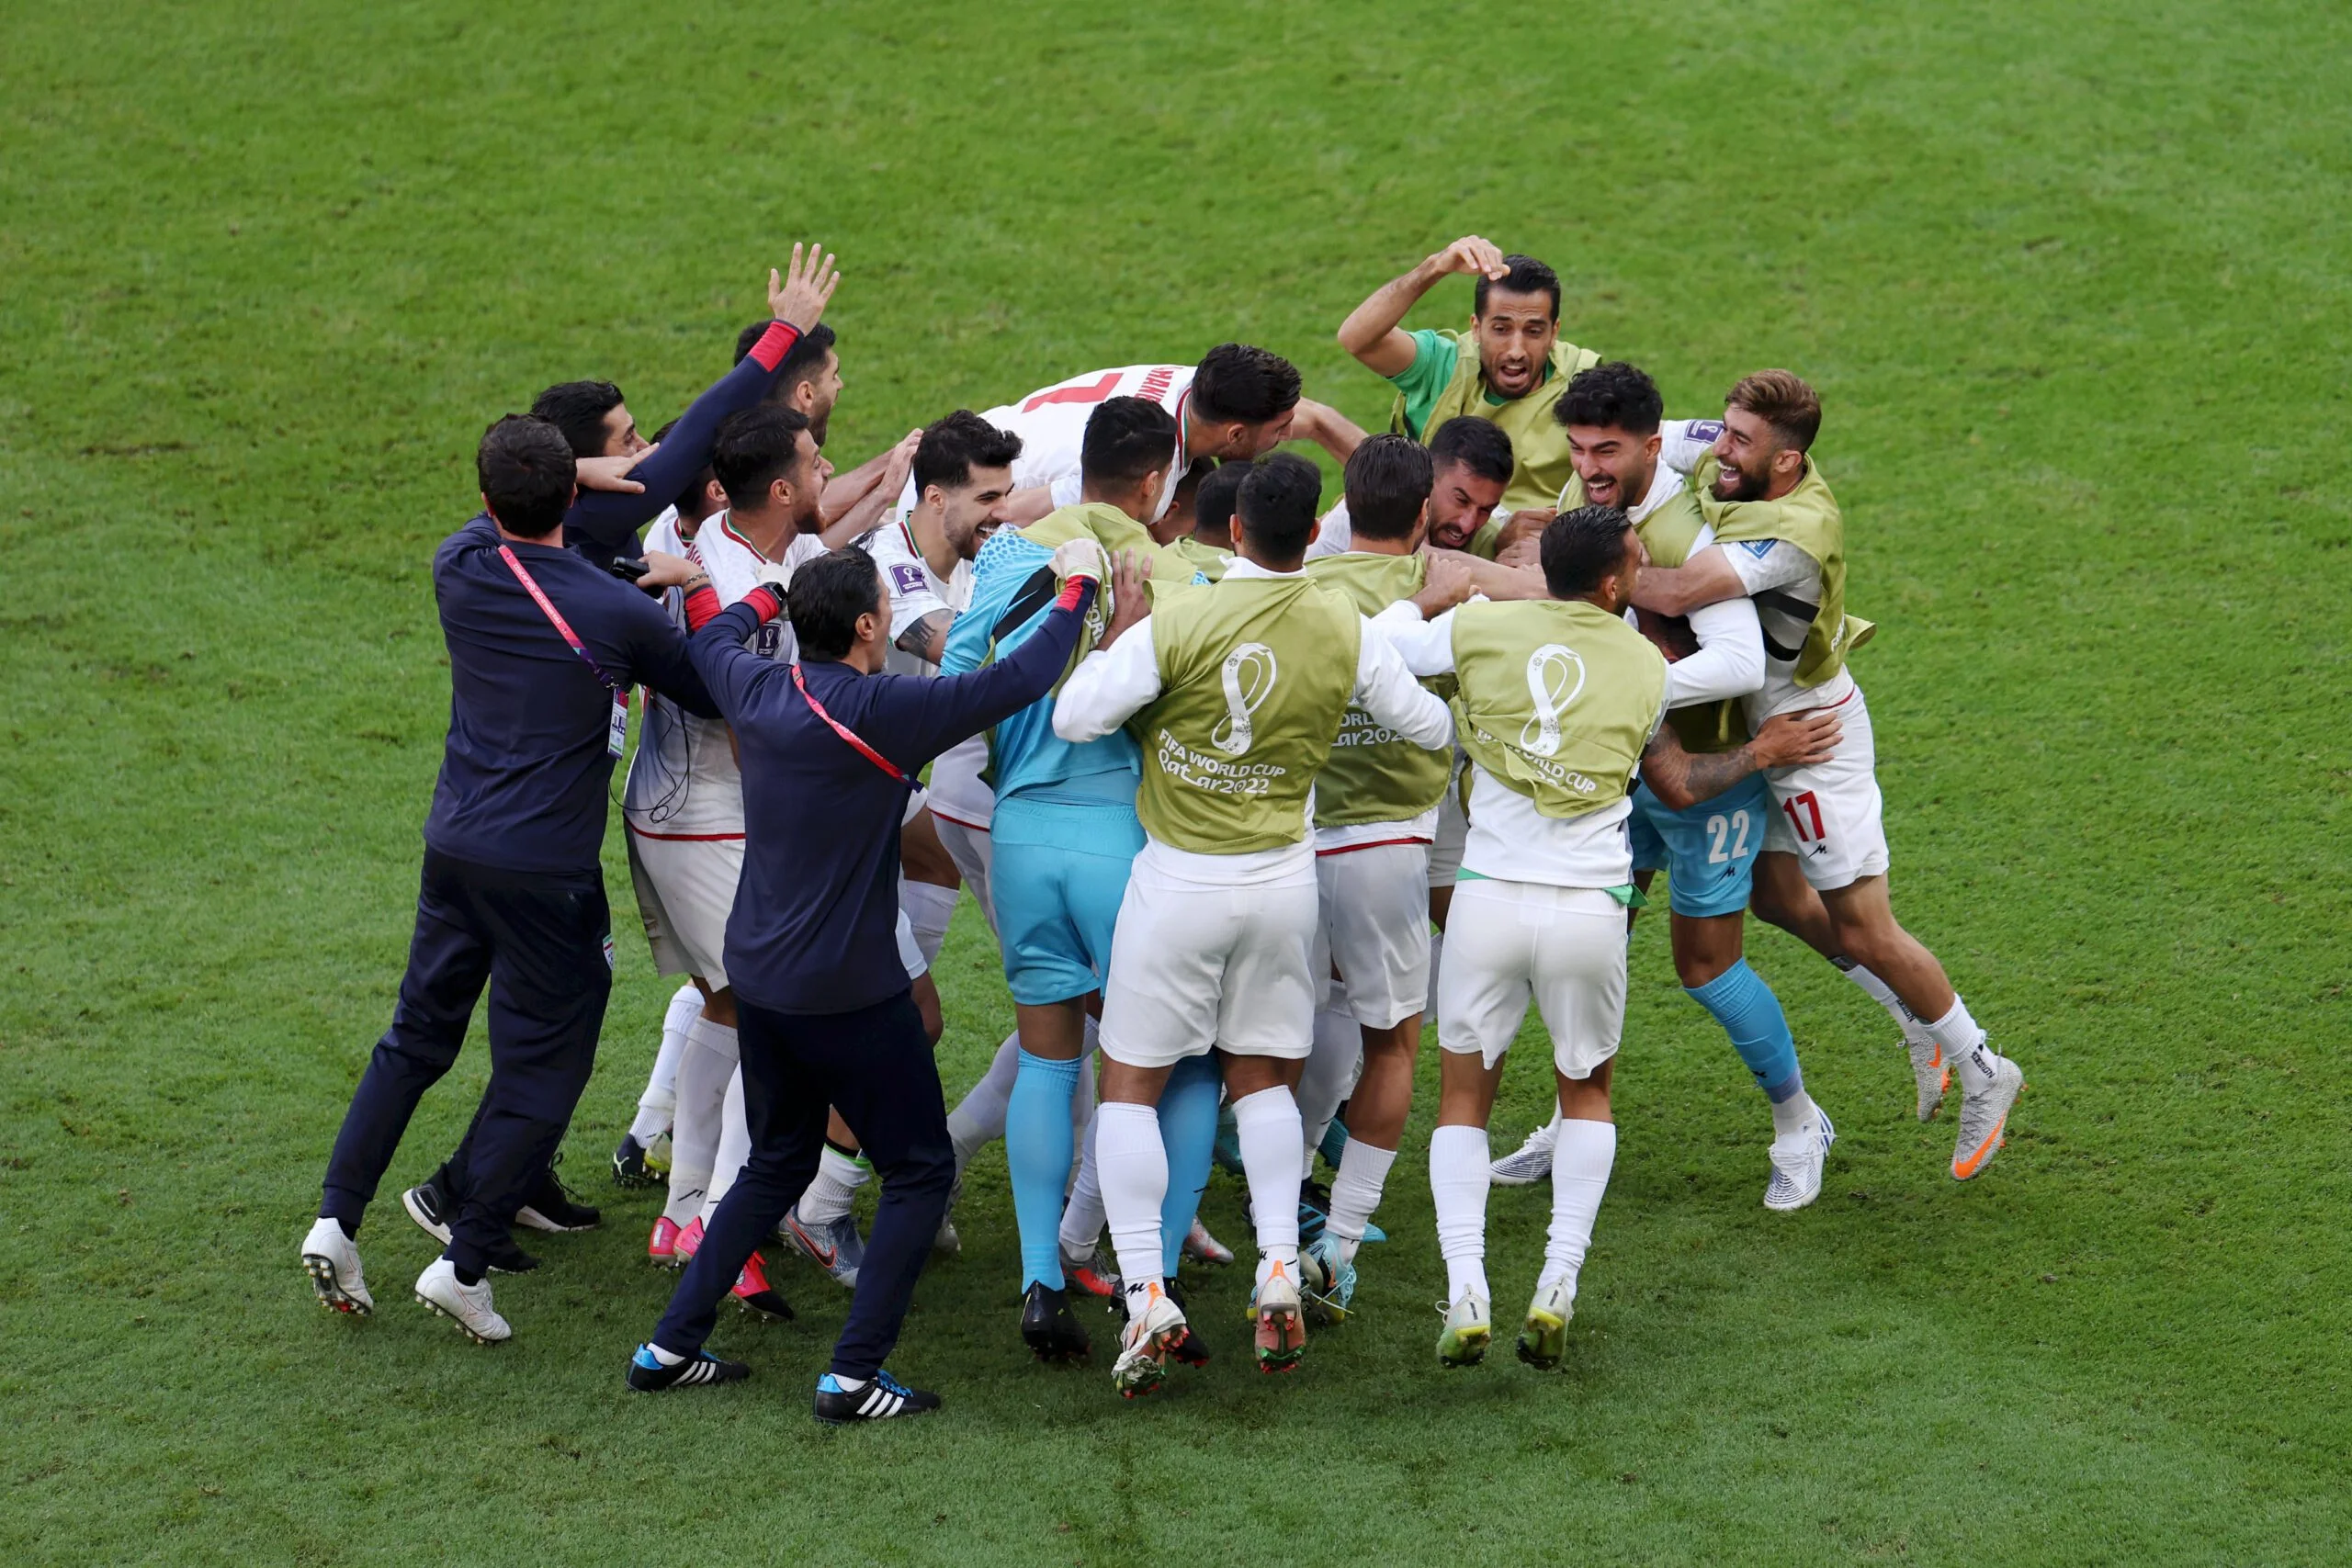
(1434,356)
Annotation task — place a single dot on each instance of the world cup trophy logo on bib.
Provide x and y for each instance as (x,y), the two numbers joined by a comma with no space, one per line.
(1249,679)
(1549,685)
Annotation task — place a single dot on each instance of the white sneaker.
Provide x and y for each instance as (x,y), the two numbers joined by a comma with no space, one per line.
(1530,1162)
(1797,1160)
(1469,1328)
(1931,1074)
(1155,1326)
(332,1261)
(1544,1335)
(468,1305)
(1279,1317)
(1984,1118)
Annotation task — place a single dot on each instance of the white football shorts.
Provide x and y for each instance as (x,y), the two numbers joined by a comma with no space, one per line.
(1374,904)
(685,888)
(1194,966)
(1830,816)
(1509,941)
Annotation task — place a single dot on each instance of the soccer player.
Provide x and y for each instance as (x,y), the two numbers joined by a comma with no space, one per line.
(1208,548)
(1064,834)
(1239,689)
(1376,814)
(1612,414)
(684,810)
(810,383)
(829,745)
(1237,403)
(1780,540)
(1471,462)
(1510,367)
(542,649)
(1561,702)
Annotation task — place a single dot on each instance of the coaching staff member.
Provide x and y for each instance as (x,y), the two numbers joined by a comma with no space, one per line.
(830,747)
(544,647)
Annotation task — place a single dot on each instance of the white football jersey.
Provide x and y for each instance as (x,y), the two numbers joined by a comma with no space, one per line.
(916,590)
(683,782)
(1051,423)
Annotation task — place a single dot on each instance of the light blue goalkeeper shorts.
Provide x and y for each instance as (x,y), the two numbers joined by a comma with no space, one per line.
(1058,876)
(1708,852)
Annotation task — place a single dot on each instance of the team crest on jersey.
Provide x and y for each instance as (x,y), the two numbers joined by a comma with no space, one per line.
(908,576)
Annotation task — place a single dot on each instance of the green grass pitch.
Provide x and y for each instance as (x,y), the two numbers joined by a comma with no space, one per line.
(2070,279)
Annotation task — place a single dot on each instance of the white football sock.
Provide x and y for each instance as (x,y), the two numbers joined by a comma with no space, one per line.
(1790,1117)
(929,909)
(1580,1163)
(1272,1160)
(1082,1216)
(667,1358)
(1331,1070)
(1914,1032)
(703,1068)
(978,1117)
(734,1146)
(832,1190)
(1458,1183)
(1355,1192)
(659,1103)
(1963,1044)
(1134,1165)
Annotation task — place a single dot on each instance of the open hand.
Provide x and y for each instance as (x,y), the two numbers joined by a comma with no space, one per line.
(1474,255)
(1796,739)
(611,473)
(799,297)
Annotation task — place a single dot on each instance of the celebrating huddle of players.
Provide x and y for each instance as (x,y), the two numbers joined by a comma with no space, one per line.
(1311,772)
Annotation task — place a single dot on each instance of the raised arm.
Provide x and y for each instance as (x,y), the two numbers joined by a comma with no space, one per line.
(1327,427)
(941,713)
(1682,779)
(611,518)
(1371,332)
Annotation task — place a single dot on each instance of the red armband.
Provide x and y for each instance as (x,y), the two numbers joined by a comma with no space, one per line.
(774,345)
(767,599)
(701,606)
(1073,594)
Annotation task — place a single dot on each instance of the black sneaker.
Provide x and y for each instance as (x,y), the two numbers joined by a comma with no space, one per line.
(1314,1207)
(648,1375)
(550,1205)
(882,1397)
(1189,1349)
(629,1168)
(429,1209)
(1048,1325)
(504,1257)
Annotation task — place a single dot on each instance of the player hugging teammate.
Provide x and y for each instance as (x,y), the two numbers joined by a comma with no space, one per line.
(1261,788)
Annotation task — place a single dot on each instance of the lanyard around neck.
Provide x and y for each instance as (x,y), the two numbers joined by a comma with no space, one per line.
(846,733)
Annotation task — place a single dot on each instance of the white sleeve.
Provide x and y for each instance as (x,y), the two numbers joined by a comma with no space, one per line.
(1426,647)
(1109,686)
(1386,688)
(1762,564)
(1065,488)
(1336,535)
(1682,442)
(903,579)
(1730,660)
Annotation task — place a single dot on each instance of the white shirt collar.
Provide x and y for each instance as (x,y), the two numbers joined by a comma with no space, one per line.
(1244,566)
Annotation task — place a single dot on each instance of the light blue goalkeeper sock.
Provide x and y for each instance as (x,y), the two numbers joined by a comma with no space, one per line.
(1037,1151)
(1188,1108)
(1751,1015)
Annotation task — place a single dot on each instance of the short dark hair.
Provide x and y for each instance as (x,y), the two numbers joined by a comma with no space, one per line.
(801,361)
(1580,548)
(952,447)
(1611,395)
(1278,498)
(1480,445)
(756,446)
(1387,483)
(1217,497)
(527,471)
(827,596)
(1526,276)
(577,410)
(1236,381)
(1125,439)
(1782,400)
